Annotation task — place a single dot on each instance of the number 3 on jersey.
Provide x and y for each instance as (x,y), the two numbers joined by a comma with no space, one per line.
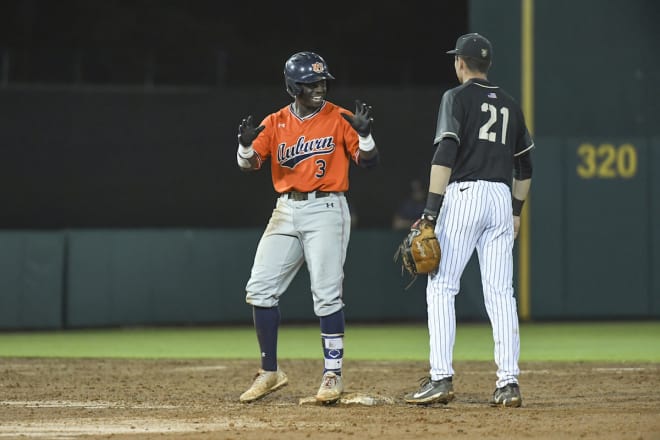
(321,168)
(484,132)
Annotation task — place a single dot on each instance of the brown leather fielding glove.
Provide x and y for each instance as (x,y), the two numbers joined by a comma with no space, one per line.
(420,250)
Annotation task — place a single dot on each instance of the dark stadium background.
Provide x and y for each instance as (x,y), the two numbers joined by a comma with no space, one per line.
(123,113)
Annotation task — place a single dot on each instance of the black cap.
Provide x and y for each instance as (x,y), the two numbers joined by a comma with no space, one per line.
(473,46)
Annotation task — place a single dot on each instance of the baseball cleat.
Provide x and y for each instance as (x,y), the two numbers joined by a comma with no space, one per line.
(432,391)
(508,395)
(265,382)
(331,388)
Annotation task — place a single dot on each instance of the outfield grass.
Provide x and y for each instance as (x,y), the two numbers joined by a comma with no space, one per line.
(619,341)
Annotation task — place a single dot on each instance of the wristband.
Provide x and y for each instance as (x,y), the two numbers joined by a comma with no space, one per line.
(429,217)
(517,206)
(433,205)
(243,163)
(245,152)
(366,143)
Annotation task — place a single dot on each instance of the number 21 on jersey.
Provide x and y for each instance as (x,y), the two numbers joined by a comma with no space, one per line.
(485,132)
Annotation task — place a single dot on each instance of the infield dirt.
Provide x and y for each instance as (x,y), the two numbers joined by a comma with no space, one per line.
(198,399)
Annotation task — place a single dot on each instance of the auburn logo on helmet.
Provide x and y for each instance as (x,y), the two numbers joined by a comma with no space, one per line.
(317,67)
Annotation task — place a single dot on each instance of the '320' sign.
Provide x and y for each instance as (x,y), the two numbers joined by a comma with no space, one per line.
(606,161)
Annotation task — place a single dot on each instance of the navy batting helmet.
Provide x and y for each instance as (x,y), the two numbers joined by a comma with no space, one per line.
(304,68)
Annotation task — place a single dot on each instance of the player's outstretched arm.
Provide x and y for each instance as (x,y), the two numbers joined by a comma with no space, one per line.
(247,133)
(361,122)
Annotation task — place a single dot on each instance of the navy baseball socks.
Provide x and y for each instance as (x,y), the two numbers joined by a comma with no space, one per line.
(266,323)
(332,341)
(269,378)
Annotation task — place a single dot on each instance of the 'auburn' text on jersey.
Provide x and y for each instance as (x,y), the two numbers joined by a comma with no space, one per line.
(290,156)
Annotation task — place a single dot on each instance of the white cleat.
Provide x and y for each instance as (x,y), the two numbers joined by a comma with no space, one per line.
(265,382)
(331,388)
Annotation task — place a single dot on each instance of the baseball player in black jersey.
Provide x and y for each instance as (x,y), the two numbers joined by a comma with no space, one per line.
(480,176)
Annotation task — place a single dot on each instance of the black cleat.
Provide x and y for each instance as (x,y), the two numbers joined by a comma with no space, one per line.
(432,391)
(508,395)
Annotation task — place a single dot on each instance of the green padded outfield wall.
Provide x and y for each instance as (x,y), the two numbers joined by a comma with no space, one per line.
(177,276)
(654,166)
(132,277)
(595,65)
(31,281)
(595,228)
(595,205)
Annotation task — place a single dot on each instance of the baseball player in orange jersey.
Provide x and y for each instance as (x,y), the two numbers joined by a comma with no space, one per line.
(310,143)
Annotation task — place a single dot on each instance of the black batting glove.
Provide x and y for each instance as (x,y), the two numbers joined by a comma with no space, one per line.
(247,132)
(362,119)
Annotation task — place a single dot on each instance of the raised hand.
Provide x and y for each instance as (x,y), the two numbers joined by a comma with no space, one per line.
(247,132)
(362,119)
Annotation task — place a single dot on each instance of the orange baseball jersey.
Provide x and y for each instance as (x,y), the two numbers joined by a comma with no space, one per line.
(311,153)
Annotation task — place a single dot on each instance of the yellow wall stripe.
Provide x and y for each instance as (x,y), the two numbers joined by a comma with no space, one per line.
(527,80)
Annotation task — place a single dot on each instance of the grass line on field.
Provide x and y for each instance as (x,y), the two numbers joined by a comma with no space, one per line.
(618,341)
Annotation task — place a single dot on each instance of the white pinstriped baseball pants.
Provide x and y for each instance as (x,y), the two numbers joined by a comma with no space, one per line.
(475,215)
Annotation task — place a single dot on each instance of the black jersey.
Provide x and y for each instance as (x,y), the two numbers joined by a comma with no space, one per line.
(489,127)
